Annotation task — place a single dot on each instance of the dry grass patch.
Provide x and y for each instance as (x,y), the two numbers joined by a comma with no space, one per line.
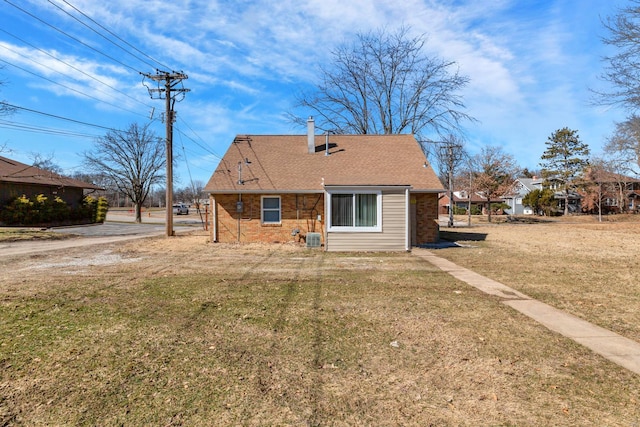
(20,234)
(581,266)
(189,333)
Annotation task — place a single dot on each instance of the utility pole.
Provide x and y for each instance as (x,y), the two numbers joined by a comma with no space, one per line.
(450,155)
(168,93)
(451,165)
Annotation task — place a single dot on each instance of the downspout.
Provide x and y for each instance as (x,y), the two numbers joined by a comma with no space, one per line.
(239,215)
(407,219)
(326,219)
(214,218)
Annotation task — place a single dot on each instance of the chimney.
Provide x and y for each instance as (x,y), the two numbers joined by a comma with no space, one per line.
(311,135)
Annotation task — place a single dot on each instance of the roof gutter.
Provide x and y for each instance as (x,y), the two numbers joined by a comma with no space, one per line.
(231,191)
(367,187)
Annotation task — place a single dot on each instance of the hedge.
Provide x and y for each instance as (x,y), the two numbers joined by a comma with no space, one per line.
(42,210)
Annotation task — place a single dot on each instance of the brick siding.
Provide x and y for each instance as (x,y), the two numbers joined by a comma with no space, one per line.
(298,211)
(428,230)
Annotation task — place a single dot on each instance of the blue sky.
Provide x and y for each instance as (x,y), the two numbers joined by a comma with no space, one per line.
(530,63)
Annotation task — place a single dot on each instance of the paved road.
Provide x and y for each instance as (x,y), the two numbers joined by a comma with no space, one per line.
(110,228)
(118,227)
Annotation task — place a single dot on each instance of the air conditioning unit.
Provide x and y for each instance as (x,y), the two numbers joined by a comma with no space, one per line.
(313,240)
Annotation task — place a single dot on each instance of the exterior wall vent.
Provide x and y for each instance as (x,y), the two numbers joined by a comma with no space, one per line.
(313,240)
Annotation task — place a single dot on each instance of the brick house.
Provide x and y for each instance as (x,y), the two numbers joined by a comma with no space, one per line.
(17,179)
(461,201)
(350,192)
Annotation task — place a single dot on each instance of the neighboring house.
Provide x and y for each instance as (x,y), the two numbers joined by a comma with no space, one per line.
(523,186)
(634,201)
(574,198)
(17,179)
(357,192)
(461,201)
(618,193)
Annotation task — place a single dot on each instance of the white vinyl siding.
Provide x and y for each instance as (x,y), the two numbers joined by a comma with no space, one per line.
(392,236)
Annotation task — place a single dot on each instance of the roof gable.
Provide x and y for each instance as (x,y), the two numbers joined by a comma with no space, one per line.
(269,163)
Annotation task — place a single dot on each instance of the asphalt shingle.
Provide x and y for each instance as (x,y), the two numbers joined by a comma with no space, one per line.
(282,163)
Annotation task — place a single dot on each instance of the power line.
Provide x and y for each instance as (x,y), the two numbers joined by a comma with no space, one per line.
(192,165)
(58,117)
(71,37)
(69,88)
(60,84)
(117,37)
(186,162)
(98,33)
(70,66)
(5,124)
(207,149)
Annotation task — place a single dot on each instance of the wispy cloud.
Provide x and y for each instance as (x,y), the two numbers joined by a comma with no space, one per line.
(530,63)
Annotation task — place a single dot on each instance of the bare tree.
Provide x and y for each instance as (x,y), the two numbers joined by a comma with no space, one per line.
(622,68)
(450,155)
(46,162)
(192,193)
(494,173)
(601,182)
(133,159)
(624,145)
(108,188)
(385,84)
(5,110)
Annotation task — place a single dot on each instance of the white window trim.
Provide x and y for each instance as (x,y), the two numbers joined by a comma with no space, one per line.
(262,209)
(340,229)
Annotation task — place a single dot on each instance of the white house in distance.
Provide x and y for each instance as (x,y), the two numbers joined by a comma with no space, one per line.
(521,187)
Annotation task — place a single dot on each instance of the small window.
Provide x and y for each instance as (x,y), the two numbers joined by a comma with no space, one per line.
(271,210)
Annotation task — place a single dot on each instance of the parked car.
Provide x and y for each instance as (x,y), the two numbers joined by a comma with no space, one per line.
(180,209)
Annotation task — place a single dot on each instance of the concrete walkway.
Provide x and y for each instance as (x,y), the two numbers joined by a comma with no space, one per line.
(614,347)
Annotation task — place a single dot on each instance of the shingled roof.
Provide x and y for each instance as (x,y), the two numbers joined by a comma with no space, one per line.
(272,163)
(16,172)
